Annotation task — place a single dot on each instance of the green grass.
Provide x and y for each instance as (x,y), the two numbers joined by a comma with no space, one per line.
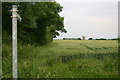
(63,59)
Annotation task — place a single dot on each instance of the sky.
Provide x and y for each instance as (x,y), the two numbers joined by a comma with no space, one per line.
(89,18)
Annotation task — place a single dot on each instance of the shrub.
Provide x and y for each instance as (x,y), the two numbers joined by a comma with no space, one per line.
(90,38)
(79,38)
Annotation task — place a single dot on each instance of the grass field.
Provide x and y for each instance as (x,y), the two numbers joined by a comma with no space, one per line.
(64,59)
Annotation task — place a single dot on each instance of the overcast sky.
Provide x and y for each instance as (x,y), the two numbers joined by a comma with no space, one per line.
(93,18)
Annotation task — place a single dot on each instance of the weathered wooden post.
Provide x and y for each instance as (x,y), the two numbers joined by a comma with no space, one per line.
(14,16)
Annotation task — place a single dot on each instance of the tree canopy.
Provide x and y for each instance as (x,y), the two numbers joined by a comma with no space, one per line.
(40,21)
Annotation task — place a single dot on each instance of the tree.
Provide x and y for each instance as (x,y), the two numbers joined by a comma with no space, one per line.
(90,38)
(79,38)
(40,21)
(49,23)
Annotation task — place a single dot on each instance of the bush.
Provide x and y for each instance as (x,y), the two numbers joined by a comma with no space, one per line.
(79,38)
(90,38)
(114,39)
(101,39)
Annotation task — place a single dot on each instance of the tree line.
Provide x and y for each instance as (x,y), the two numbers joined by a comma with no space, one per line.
(103,39)
(91,39)
(40,22)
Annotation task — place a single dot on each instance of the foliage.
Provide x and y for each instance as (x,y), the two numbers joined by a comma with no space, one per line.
(101,39)
(114,39)
(40,21)
(118,39)
(71,38)
(79,39)
(46,61)
(90,38)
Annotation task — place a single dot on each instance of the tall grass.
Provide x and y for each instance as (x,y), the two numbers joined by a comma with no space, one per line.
(46,61)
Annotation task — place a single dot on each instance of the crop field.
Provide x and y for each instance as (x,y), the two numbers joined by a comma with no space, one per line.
(64,59)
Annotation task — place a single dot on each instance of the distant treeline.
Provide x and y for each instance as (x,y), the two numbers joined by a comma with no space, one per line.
(71,38)
(103,39)
(91,39)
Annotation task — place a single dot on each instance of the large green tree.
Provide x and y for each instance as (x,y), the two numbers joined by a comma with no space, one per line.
(40,21)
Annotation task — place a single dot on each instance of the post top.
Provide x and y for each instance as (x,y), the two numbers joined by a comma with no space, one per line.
(14,6)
